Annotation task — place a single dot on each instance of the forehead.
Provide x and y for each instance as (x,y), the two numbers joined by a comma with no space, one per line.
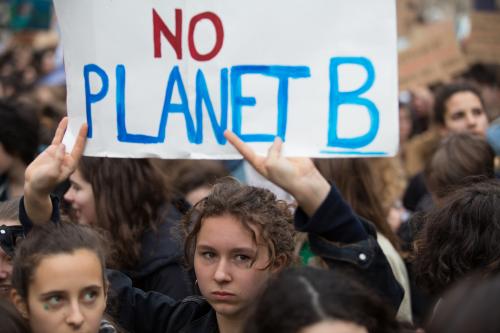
(227,230)
(463,100)
(77,177)
(67,271)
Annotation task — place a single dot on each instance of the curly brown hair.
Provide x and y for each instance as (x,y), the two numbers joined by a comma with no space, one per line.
(130,197)
(460,237)
(252,206)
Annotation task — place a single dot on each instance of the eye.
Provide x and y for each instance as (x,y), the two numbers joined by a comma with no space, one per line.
(242,258)
(208,255)
(90,296)
(458,115)
(477,112)
(54,301)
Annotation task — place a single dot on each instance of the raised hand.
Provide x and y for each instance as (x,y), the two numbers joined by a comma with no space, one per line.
(297,175)
(50,168)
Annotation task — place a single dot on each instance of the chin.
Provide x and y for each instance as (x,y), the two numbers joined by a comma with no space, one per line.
(226,309)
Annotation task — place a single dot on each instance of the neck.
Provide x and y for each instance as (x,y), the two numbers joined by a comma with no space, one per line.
(230,324)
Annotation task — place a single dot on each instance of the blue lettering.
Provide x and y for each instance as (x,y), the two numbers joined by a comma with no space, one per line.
(283,73)
(338,98)
(91,98)
(169,107)
(123,135)
(203,97)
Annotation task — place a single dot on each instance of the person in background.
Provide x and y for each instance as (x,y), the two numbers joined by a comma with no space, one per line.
(10,232)
(321,301)
(476,300)
(18,147)
(460,237)
(11,319)
(194,178)
(356,180)
(458,108)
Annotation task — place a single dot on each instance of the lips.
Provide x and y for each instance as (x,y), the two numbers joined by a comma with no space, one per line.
(222,295)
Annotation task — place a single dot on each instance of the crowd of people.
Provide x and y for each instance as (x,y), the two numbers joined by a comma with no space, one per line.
(269,243)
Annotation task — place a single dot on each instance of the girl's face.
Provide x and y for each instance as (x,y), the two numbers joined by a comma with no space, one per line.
(229,265)
(67,294)
(465,113)
(81,198)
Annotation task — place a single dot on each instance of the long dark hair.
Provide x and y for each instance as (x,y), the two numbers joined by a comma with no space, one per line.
(355,178)
(460,237)
(130,198)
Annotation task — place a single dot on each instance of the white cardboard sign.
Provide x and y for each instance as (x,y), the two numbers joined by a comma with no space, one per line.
(165,78)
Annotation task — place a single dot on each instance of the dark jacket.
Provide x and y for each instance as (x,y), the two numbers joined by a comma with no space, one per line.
(160,266)
(335,233)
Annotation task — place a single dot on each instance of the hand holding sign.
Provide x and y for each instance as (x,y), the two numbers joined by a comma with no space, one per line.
(296,175)
(51,167)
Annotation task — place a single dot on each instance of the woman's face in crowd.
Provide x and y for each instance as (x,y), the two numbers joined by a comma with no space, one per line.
(81,198)
(465,113)
(5,265)
(229,265)
(334,326)
(67,294)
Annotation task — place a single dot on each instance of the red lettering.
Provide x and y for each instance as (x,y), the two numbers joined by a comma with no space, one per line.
(160,28)
(219,31)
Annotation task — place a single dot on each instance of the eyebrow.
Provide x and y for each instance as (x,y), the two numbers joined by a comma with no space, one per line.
(55,292)
(203,247)
(244,249)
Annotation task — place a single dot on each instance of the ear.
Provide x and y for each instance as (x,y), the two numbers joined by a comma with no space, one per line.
(279,264)
(19,303)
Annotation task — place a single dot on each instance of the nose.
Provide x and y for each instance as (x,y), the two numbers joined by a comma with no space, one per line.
(471,120)
(222,273)
(69,195)
(75,317)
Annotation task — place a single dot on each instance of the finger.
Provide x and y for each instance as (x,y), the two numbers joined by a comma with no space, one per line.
(61,129)
(80,142)
(245,150)
(274,151)
(240,146)
(60,152)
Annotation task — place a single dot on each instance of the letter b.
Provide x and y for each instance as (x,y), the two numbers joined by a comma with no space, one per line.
(338,98)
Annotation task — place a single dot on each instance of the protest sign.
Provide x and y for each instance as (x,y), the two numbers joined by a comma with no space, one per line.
(483,44)
(434,56)
(166,78)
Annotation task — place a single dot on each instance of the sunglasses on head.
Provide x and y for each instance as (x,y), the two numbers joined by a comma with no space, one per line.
(9,236)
